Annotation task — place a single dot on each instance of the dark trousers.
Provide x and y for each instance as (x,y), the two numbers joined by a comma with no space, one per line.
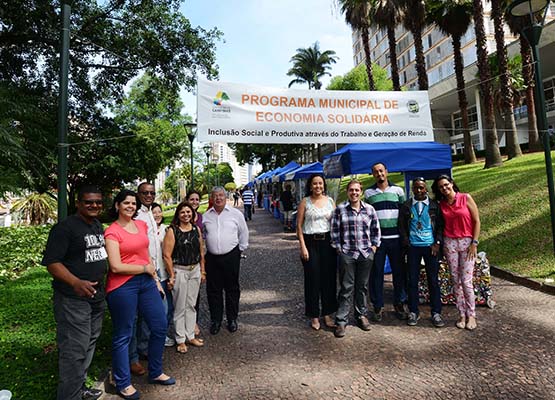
(353,276)
(137,294)
(320,277)
(392,249)
(222,274)
(431,263)
(248,211)
(79,324)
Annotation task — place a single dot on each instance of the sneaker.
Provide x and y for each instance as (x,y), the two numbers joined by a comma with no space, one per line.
(413,319)
(363,323)
(437,321)
(339,331)
(400,311)
(169,342)
(377,315)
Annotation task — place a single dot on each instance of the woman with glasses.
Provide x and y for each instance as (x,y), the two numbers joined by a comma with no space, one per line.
(460,243)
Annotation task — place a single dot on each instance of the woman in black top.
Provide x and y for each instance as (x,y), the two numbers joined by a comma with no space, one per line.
(183,252)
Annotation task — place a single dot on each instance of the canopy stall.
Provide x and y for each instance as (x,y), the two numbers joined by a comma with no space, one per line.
(279,176)
(305,171)
(414,159)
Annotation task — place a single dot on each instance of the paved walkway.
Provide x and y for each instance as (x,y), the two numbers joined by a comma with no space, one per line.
(275,355)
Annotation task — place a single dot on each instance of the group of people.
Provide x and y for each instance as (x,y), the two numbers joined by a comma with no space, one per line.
(152,285)
(353,240)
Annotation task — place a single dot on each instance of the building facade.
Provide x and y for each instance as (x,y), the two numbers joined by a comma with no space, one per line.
(438,53)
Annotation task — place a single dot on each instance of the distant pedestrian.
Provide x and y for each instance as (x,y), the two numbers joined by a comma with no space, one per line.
(355,235)
(227,236)
(235,198)
(386,198)
(248,201)
(319,259)
(460,235)
(75,256)
(421,230)
(287,202)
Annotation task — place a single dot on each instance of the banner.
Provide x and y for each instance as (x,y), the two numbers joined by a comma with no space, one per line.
(229,112)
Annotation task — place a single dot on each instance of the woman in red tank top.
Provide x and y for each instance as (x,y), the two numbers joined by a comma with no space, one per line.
(461,232)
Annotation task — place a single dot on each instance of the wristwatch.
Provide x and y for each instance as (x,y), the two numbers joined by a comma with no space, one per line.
(438,242)
(475,241)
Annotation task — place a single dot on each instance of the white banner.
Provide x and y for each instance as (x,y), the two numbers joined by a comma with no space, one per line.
(229,112)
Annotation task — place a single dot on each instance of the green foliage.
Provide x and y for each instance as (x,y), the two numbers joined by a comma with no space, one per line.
(36,208)
(231,186)
(28,352)
(112,43)
(311,64)
(270,156)
(21,249)
(357,79)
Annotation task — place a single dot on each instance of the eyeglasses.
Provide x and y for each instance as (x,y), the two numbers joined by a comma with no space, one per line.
(91,202)
(146,193)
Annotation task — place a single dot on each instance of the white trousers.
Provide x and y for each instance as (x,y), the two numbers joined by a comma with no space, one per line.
(185,292)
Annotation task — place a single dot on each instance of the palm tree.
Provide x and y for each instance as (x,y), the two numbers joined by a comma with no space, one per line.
(511,136)
(516,24)
(310,64)
(453,18)
(414,20)
(386,14)
(493,155)
(357,16)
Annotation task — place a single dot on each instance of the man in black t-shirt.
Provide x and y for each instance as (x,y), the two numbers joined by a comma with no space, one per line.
(75,256)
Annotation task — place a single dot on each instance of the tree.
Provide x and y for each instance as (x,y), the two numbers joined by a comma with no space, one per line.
(357,16)
(111,44)
(36,208)
(506,93)
(357,79)
(414,20)
(493,155)
(269,155)
(516,24)
(310,64)
(386,14)
(453,18)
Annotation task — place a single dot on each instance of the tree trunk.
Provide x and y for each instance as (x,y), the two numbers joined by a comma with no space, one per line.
(534,143)
(493,155)
(393,58)
(469,155)
(420,60)
(506,92)
(367,58)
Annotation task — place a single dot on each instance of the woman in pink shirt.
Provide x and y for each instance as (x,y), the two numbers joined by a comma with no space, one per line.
(132,286)
(461,232)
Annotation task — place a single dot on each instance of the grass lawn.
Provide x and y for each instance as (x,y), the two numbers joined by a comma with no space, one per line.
(514,210)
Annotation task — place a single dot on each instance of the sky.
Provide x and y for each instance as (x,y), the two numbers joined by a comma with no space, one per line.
(261,36)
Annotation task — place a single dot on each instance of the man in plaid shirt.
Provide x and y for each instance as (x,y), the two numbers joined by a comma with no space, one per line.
(355,234)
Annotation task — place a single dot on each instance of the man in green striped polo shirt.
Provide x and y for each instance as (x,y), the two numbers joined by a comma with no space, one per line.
(387,198)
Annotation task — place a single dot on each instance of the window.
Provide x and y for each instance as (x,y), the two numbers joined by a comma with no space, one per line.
(472,121)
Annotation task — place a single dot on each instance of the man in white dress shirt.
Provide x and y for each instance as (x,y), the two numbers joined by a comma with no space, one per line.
(227,236)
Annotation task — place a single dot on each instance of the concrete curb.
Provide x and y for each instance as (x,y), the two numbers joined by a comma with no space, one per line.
(523,280)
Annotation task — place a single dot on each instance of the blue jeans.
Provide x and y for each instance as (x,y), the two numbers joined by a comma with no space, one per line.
(248,211)
(392,249)
(141,333)
(137,294)
(431,263)
(353,276)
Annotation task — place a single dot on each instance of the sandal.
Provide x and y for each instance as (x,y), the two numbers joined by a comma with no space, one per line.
(329,322)
(195,342)
(181,348)
(315,324)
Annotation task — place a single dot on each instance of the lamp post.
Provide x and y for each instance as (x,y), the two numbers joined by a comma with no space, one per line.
(533,9)
(191,135)
(216,159)
(207,149)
